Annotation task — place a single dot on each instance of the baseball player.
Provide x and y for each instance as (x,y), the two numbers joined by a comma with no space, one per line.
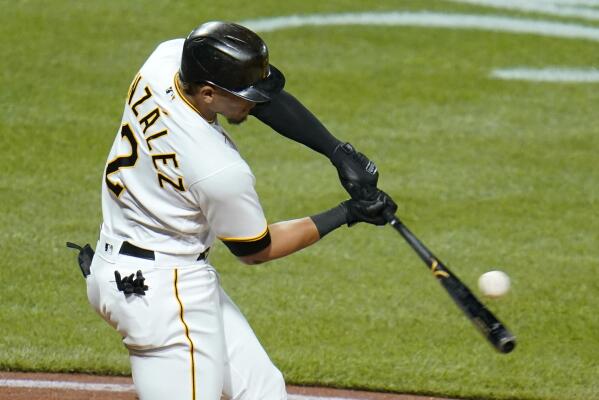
(174,182)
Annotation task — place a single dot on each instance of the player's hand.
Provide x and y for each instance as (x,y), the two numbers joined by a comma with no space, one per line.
(372,211)
(358,175)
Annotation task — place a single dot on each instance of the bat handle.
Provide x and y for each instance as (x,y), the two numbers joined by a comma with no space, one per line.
(425,254)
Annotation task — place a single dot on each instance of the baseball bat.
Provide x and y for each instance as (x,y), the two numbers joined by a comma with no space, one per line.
(484,320)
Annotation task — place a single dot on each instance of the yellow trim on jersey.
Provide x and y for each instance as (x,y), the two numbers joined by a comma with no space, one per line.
(193,365)
(133,88)
(245,239)
(182,95)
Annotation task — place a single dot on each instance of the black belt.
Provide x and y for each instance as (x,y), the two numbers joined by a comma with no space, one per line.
(129,249)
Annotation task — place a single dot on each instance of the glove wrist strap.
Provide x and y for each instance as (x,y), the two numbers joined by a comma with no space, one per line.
(330,220)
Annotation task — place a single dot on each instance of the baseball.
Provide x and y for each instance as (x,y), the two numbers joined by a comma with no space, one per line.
(494,283)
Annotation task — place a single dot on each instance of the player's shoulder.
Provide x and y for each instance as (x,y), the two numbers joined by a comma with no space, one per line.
(207,155)
(201,148)
(163,63)
(169,49)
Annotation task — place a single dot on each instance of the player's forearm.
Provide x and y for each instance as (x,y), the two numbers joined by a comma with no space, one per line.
(286,237)
(287,116)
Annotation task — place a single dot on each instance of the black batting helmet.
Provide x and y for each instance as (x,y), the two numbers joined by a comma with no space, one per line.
(231,57)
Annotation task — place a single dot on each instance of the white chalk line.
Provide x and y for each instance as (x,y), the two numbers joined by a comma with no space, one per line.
(559,8)
(573,2)
(567,75)
(430,20)
(458,21)
(65,385)
(107,387)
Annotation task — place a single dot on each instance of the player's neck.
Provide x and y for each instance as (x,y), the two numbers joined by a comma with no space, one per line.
(202,109)
(199,106)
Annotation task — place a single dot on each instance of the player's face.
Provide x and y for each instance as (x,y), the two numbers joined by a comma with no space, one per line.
(233,108)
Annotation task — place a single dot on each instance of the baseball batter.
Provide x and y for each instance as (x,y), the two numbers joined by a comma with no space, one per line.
(173,183)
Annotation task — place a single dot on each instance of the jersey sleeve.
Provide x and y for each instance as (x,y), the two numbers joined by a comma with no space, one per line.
(230,203)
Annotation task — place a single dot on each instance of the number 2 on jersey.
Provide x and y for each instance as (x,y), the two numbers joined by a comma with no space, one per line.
(122,161)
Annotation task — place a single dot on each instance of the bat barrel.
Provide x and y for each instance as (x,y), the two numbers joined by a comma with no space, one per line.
(483,319)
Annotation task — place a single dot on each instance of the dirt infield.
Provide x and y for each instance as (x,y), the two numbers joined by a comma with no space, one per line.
(33,386)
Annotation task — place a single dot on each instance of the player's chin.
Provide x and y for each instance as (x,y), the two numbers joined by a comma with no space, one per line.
(237,120)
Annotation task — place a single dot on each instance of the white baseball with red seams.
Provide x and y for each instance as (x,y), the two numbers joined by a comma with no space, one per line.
(494,283)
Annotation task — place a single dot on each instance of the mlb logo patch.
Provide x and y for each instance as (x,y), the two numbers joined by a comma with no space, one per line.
(108,248)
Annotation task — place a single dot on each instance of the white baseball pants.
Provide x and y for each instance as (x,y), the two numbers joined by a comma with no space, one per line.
(186,338)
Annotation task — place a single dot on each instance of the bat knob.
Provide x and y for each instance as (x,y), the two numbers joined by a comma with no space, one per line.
(390,216)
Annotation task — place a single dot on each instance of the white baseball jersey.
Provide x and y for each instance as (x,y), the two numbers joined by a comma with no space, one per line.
(174,181)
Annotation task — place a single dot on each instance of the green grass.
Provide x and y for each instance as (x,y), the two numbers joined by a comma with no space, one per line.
(489,174)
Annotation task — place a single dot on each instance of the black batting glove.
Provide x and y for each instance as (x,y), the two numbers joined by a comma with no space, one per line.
(373,211)
(358,175)
(378,211)
(132,284)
